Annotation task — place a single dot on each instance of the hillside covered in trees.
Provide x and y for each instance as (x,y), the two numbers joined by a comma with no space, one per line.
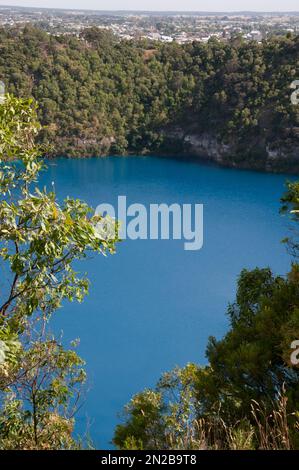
(228,102)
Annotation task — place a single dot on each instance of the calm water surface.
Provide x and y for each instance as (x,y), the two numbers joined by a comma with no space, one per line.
(153,305)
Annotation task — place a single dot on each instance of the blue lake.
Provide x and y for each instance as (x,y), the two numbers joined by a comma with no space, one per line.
(153,305)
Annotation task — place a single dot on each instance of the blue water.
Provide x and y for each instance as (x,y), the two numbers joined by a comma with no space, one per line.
(153,305)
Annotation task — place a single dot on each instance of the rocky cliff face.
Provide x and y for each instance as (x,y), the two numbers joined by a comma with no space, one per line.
(274,156)
(207,145)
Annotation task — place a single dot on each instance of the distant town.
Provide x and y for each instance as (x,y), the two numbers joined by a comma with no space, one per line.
(157,26)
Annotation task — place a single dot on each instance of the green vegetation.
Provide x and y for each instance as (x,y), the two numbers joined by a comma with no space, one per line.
(40,381)
(98,95)
(247,397)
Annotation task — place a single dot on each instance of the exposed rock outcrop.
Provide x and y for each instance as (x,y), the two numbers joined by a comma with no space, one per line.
(275,156)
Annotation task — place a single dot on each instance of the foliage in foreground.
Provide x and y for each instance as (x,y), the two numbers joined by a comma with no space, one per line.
(247,397)
(40,238)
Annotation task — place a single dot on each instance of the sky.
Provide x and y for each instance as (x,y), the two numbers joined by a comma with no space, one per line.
(166,5)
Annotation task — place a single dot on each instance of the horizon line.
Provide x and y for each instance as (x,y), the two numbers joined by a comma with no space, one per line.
(150,11)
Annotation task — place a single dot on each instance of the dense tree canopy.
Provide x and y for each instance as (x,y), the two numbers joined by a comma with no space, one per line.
(97,94)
